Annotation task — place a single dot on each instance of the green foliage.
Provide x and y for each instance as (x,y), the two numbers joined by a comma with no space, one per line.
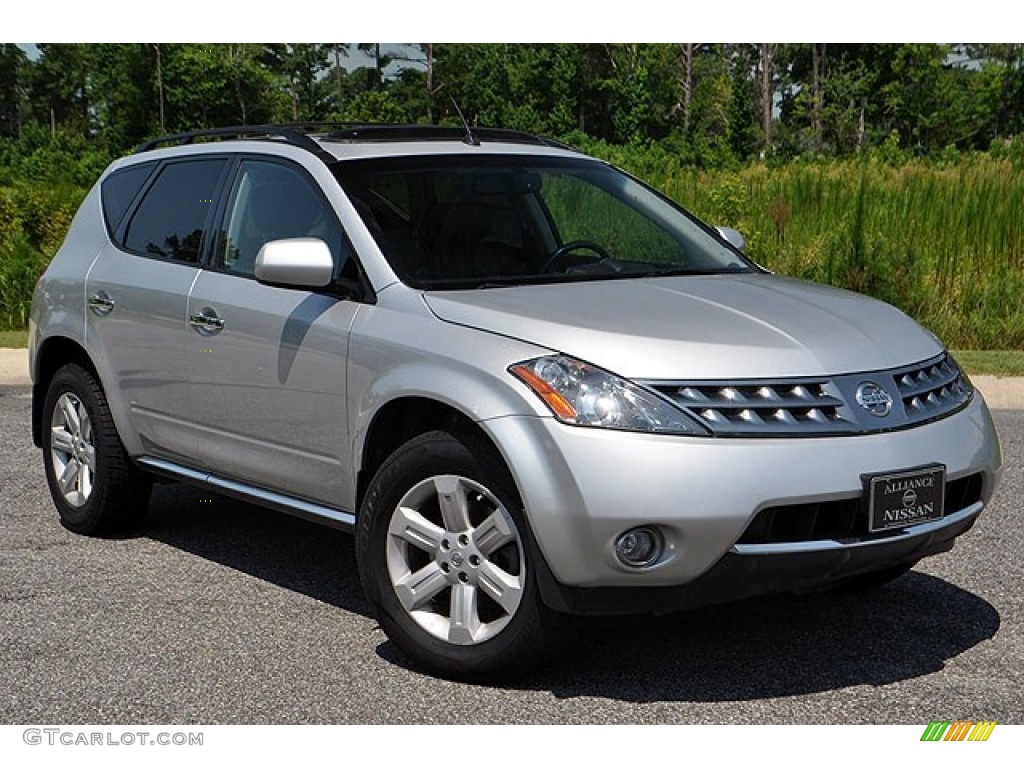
(1015,153)
(20,268)
(59,158)
(34,218)
(222,84)
(373,107)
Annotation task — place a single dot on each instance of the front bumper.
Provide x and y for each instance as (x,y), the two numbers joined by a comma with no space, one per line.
(582,488)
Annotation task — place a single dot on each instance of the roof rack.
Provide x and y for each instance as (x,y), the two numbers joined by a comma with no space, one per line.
(296,138)
(300,135)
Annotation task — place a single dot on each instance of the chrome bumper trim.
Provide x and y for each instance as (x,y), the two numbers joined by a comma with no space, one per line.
(829,545)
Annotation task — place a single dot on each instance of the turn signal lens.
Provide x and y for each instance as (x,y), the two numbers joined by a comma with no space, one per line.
(558,404)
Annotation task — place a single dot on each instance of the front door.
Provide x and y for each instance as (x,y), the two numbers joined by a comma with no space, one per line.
(269,363)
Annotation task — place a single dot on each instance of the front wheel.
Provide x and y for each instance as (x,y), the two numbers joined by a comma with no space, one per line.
(445,561)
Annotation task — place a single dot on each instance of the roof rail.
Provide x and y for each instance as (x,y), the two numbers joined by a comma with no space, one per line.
(290,135)
(398,132)
(299,135)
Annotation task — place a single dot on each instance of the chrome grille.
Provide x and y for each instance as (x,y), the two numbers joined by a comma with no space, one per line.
(822,406)
(932,389)
(778,407)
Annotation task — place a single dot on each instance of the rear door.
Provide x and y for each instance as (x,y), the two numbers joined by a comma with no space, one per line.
(268,363)
(137,294)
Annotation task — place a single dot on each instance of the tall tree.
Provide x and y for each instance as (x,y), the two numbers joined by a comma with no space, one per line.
(767,91)
(13,72)
(60,92)
(745,124)
(302,67)
(123,89)
(687,51)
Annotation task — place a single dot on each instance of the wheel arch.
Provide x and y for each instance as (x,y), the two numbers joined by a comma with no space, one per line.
(402,419)
(53,353)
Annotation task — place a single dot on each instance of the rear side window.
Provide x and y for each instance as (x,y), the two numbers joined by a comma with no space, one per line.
(171,219)
(119,189)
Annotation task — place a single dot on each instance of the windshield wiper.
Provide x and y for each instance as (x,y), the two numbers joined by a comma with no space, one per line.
(691,272)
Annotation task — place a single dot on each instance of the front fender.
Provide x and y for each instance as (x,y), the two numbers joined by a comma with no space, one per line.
(393,355)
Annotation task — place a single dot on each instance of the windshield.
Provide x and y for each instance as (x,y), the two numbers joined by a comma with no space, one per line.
(480,221)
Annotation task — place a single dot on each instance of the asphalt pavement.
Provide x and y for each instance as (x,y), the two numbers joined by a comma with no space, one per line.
(214,611)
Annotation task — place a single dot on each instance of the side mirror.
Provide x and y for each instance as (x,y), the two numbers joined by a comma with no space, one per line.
(300,262)
(733,238)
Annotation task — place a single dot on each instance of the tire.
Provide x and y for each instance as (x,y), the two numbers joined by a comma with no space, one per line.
(446,562)
(94,485)
(874,580)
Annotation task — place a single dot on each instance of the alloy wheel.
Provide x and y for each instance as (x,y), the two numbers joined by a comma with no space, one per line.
(455,559)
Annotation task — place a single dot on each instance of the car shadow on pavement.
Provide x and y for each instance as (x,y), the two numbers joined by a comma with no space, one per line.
(304,557)
(783,645)
(755,649)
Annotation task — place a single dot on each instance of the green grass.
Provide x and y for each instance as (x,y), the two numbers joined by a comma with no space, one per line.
(995,362)
(13,339)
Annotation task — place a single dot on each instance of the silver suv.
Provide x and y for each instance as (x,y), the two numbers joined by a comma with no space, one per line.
(531,385)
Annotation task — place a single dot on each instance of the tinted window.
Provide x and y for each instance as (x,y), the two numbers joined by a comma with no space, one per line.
(270,201)
(463,221)
(119,189)
(169,222)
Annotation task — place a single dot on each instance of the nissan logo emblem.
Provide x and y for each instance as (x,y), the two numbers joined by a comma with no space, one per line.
(873,399)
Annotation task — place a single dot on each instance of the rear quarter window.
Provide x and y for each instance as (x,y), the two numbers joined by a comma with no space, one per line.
(171,220)
(118,191)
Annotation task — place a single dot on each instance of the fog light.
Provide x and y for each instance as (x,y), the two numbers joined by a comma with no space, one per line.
(639,547)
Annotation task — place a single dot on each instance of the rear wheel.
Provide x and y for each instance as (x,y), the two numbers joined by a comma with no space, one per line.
(94,485)
(445,560)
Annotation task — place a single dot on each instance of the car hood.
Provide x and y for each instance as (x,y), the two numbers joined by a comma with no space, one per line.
(698,327)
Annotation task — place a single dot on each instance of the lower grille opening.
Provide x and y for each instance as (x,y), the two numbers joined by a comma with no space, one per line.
(840,520)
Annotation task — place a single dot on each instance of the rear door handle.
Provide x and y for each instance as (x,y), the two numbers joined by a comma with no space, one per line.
(101,304)
(206,322)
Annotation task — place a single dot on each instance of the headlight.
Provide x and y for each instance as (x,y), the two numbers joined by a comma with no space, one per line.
(578,393)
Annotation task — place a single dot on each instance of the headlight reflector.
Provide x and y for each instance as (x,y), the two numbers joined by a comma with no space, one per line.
(582,394)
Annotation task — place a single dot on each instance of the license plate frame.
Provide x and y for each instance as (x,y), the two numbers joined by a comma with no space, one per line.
(905,498)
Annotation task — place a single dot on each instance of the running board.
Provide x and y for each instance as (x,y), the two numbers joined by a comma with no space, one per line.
(307,510)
